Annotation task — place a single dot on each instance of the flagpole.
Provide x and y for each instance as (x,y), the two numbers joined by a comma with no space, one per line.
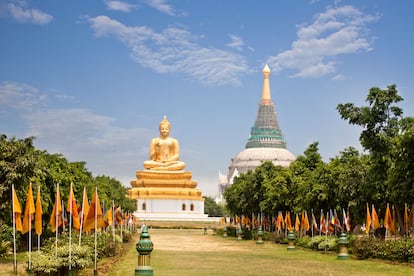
(30,242)
(56,219)
(120,210)
(83,211)
(113,222)
(70,226)
(96,226)
(14,234)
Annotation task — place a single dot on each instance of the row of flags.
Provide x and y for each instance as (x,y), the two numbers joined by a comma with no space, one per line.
(390,222)
(83,218)
(328,223)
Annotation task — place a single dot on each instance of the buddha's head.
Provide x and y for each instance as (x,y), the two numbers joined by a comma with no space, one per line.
(164,127)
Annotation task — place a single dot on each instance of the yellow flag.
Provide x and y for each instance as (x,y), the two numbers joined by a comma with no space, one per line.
(288,221)
(85,206)
(94,213)
(74,211)
(56,213)
(406,220)
(29,211)
(38,213)
(297,223)
(108,217)
(387,218)
(17,211)
(368,221)
(375,221)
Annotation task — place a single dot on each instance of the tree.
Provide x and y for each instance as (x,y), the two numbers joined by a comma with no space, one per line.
(18,163)
(380,121)
(212,208)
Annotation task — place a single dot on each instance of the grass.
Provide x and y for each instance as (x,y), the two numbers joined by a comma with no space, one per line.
(189,252)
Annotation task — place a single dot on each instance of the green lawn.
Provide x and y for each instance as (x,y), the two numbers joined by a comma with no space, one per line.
(190,252)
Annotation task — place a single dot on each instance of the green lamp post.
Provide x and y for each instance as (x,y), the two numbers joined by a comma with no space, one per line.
(291,240)
(260,235)
(144,247)
(343,247)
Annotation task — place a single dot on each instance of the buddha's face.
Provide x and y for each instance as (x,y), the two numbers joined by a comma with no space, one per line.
(164,130)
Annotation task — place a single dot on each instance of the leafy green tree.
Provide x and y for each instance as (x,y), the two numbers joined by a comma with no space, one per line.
(112,189)
(18,164)
(349,176)
(212,208)
(380,121)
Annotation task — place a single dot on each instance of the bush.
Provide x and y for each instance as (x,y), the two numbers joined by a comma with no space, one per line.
(401,250)
(45,262)
(5,249)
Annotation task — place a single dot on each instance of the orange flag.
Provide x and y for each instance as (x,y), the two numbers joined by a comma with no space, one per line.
(375,220)
(85,206)
(29,211)
(74,211)
(56,213)
(388,218)
(288,221)
(297,223)
(406,220)
(17,211)
(38,213)
(306,225)
(368,221)
(94,213)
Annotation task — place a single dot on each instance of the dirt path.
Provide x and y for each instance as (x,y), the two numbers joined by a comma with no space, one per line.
(190,240)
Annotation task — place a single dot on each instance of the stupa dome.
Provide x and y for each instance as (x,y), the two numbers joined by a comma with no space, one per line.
(250,158)
(266,142)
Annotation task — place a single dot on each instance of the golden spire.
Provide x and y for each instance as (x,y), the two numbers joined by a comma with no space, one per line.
(266,98)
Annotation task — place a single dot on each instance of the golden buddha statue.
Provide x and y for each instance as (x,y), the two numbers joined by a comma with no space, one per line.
(164,151)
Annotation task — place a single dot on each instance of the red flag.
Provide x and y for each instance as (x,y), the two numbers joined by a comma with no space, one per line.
(347,221)
(323,223)
(314,223)
(29,211)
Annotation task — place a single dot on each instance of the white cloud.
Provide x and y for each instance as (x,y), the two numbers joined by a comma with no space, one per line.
(162,6)
(174,50)
(337,31)
(20,96)
(81,135)
(236,42)
(119,6)
(21,12)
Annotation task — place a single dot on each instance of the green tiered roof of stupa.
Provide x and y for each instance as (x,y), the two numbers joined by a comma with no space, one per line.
(266,132)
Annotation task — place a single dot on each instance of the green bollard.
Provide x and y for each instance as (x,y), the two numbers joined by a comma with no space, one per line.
(291,240)
(260,236)
(343,247)
(144,247)
(239,233)
(225,232)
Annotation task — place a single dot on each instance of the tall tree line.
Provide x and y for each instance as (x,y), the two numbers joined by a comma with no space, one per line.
(383,173)
(21,163)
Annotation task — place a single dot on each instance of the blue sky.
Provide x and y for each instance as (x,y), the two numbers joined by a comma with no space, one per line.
(93,79)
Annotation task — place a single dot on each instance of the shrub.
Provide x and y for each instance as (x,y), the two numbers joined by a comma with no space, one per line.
(401,250)
(45,262)
(5,249)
